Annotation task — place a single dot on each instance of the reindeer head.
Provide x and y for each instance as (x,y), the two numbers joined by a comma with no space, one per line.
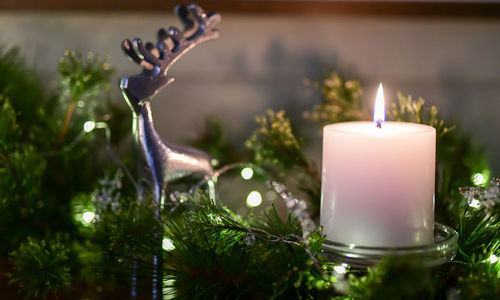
(171,45)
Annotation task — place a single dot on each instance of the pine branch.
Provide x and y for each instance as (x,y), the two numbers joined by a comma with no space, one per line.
(217,254)
(409,110)
(341,101)
(479,225)
(274,142)
(276,147)
(40,267)
(82,82)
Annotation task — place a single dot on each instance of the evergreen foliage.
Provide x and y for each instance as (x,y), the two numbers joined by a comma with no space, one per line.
(81,225)
(458,161)
(274,142)
(409,110)
(226,257)
(276,147)
(394,278)
(42,151)
(41,267)
(342,101)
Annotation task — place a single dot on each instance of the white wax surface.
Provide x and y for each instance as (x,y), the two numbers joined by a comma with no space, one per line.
(378,183)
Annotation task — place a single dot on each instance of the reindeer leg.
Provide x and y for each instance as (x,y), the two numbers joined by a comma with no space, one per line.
(157,289)
(211,189)
(157,284)
(133,283)
(135,263)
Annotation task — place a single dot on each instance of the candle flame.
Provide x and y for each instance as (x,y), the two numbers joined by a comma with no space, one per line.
(379,111)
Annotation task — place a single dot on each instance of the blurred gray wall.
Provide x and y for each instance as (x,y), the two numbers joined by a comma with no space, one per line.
(261,62)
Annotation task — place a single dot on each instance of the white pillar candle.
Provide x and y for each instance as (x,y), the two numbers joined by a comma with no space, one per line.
(378,183)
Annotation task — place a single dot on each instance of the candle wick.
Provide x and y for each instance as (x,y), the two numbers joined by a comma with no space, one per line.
(379,123)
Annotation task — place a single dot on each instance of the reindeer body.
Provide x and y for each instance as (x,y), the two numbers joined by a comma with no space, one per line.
(159,161)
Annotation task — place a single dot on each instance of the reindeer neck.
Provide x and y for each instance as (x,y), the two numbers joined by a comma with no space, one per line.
(143,123)
(145,112)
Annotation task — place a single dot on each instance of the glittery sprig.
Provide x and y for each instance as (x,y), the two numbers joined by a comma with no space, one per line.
(488,197)
(296,206)
(108,193)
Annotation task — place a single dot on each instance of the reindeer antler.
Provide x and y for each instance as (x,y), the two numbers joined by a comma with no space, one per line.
(171,45)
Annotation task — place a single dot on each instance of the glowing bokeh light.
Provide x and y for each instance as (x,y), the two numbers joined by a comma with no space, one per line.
(89,126)
(167,244)
(339,269)
(214,162)
(254,199)
(479,179)
(475,203)
(271,195)
(247,173)
(493,259)
(87,217)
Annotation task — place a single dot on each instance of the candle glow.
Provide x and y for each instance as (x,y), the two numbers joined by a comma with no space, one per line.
(379,110)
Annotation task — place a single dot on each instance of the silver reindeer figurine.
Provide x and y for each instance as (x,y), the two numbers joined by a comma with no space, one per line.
(159,161)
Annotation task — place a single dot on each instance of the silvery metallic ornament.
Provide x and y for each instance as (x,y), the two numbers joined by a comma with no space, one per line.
(160,162)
